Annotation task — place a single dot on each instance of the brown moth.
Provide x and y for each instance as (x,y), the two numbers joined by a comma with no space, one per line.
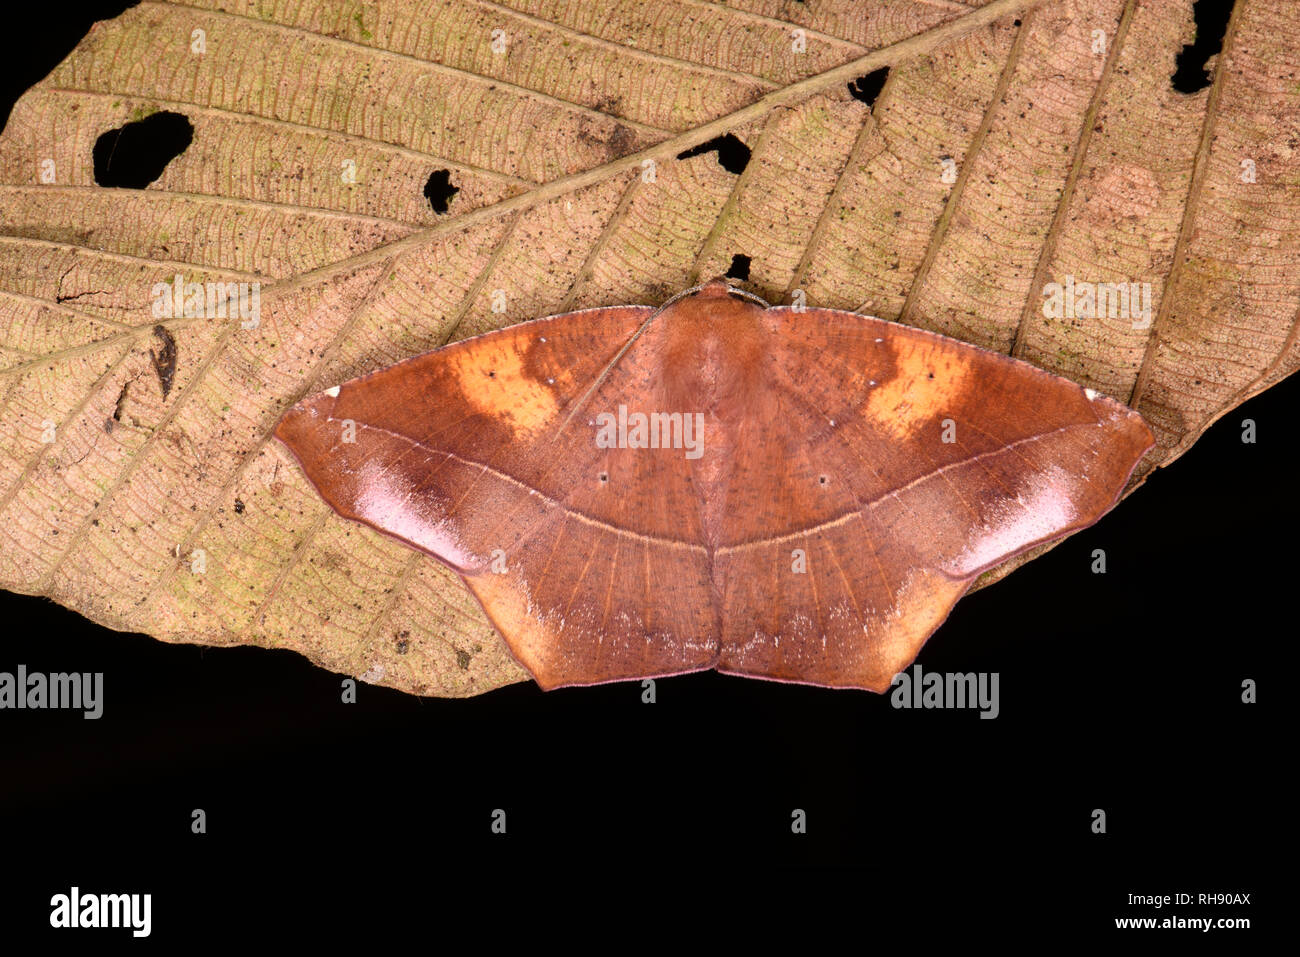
(793,494)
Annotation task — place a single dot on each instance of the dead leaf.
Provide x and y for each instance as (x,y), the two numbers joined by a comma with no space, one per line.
(1012,146)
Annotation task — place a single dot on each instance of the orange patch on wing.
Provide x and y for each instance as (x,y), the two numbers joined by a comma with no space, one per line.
(927,383)
(496,382)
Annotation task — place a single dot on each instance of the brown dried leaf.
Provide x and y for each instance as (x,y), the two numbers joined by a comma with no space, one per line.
(1007,150)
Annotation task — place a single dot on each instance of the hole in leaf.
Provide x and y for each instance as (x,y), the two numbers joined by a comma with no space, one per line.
(739,267)
(867,87)
(439,191)
(733,155)
(41,39)
(136,153)
(1211,17)
(604,476)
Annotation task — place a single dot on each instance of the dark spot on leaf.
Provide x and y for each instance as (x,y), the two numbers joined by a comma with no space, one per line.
(1211,16)
(620,141)
(614,140)
(439,191)
(121,401)
(739,267)
(462,659)
(136,153)
(239,507)
(164,360)
(118,407)
(867,87)
(733,155)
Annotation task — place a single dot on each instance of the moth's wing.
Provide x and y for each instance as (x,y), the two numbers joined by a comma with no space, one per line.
(587,560)
(896,465)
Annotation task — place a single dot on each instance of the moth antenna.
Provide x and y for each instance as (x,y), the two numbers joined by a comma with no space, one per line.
(745,294)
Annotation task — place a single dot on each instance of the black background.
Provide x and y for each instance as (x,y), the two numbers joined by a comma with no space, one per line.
(1119,691)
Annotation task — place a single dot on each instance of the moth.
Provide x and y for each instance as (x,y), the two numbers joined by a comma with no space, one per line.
(795,494)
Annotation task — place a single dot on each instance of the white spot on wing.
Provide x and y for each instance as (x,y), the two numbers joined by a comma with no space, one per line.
(386,500)
(1043,509)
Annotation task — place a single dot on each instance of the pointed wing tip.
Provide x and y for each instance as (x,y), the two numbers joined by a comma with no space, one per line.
(1131,420)
(296,421)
